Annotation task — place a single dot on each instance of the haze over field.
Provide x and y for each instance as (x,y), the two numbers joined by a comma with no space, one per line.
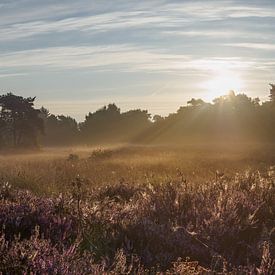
(137,137)
(76,56)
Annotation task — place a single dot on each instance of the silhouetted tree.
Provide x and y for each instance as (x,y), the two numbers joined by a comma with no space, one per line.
(133,124)
(2,132)
(195,102)
(44,113)
(59,130)
(101,126)
(109,125)
(20,121)
(232,117)
(272,93)
(158,118)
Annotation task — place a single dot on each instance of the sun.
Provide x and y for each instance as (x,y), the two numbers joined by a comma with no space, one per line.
(221,84)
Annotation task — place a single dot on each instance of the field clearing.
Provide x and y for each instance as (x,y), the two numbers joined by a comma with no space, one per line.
(49,171)
(138,209)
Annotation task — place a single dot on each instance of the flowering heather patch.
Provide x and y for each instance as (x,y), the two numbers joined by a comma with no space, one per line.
(171,227)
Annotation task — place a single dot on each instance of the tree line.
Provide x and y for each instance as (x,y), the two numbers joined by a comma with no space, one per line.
(232,117)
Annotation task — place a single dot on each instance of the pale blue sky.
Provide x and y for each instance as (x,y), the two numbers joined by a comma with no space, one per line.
(76,56)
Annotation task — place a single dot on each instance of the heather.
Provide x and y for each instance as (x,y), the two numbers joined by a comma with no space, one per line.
(152,220)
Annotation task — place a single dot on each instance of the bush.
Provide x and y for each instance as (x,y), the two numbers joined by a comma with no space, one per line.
(101,154)
(222,226)
(73,157)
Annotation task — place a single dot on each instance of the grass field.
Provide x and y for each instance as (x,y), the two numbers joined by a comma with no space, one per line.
(135,209)
(49,171)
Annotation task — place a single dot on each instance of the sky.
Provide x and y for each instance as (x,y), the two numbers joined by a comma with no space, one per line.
(76,56)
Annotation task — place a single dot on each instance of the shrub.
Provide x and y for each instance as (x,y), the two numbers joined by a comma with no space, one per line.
(101,154)
(176,227)
(73,157)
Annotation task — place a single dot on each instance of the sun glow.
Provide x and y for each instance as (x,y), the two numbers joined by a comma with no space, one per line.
(221,84)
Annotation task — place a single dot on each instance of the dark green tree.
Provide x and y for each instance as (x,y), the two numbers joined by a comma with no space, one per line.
(59,130)
(195,102)
(108,125)
(20,121)
(158,118)
(102,125)
(272,93)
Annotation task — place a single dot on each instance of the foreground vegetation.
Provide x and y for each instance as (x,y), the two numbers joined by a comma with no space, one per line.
(138,210)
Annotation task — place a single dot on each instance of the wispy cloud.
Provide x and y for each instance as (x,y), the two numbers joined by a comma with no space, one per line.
(119,57)
(93,23)
(158,41)
(101,57)
(218,10)
(257,46)
(161,16)
(5,75)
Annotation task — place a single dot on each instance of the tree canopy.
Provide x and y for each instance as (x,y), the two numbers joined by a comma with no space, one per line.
(232,117)
(20,121)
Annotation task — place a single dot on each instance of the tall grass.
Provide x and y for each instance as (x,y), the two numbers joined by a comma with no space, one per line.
(137,210)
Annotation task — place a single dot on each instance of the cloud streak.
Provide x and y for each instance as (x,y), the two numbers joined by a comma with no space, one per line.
(256,46)
(151,42)
(118,57)
(162,16)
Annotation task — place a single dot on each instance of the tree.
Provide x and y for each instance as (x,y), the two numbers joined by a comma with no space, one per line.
(59,130)
(2,132)
(108,125)
(272,93)
(20,121)
(158,118)
(102,125)
(44,113)
(195,102)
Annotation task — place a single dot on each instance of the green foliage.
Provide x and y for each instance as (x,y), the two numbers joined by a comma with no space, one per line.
(195,102)
(272,93)
(60,130)
(223,225)
(229,118)
(20,122)
(109,125)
